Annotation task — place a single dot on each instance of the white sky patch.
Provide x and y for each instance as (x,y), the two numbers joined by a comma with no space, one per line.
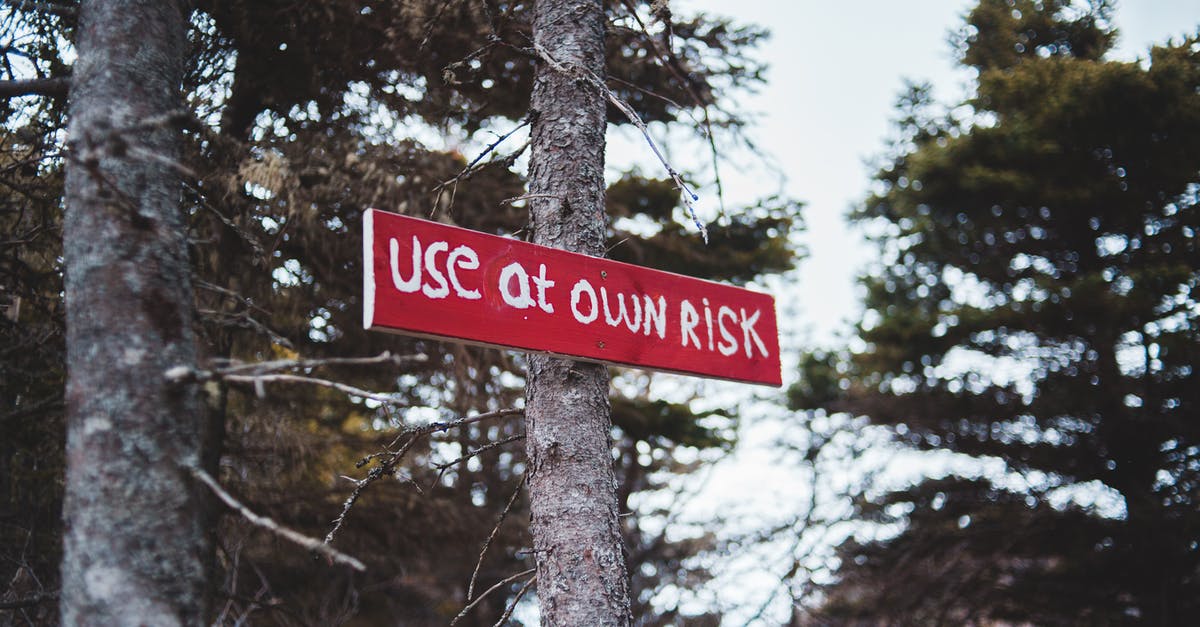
(1105,501)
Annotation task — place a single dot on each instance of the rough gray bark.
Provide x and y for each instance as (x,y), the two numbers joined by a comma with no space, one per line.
(572,489)
(135,547)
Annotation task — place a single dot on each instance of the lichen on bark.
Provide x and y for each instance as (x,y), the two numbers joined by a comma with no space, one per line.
(135,547)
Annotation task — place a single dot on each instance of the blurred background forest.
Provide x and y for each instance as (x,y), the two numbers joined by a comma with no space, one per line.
(1010,436)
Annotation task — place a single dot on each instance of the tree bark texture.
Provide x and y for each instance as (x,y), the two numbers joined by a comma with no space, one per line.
(572,488)
(135,547)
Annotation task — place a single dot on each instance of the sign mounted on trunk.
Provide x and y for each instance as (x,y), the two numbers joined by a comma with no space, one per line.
(429,279)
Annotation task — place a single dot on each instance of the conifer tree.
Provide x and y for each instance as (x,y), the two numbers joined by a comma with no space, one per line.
(301,116)
(1036,304)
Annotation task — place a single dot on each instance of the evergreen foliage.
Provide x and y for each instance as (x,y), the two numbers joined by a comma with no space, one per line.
(1036,304)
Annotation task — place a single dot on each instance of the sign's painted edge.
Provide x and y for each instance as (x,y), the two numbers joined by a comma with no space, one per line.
(590,360)
(369,268)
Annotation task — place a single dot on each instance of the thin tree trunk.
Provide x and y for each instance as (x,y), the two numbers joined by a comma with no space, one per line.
(572,488)
(135,547)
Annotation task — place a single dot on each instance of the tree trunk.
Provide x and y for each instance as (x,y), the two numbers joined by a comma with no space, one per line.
(572,487)
(135,549)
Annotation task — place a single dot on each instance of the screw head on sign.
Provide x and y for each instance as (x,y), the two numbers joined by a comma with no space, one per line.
(599,344)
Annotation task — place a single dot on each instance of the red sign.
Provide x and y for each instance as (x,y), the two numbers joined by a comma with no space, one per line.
(429,279)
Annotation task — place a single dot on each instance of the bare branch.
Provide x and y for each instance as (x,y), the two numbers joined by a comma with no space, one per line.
(391,458)
(442,427)
(667,57)
(260,374)
(360,485)
(476,452)
(500,584)
(52,87)
(54,8)
(470,170)
(517,599)
(264,367)
(434,20)
(243,319)
(258,380)
(686,193)
(495,530)
(30,601)
(248,238)
(509,201)
(312,544)
(228,293)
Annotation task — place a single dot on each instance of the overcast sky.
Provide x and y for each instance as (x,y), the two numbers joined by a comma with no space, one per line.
(836,70)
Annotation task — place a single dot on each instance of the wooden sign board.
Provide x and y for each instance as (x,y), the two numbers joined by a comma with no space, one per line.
(429,279)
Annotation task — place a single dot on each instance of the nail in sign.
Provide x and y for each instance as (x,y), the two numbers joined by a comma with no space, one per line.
(429,279)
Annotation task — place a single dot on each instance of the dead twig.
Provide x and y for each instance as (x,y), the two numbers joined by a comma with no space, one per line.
(470,170)
(30,601)
(667,57)
(360,485)
(442,468)
(243,320)
(512,500)
(390,457)
(686,193)
(509,201)
(500,584)
(180,374)
(433,22)
(259,380)
(260,374)
(56,87)
(264,367)
(312,544)
(517,599)
(228,293)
